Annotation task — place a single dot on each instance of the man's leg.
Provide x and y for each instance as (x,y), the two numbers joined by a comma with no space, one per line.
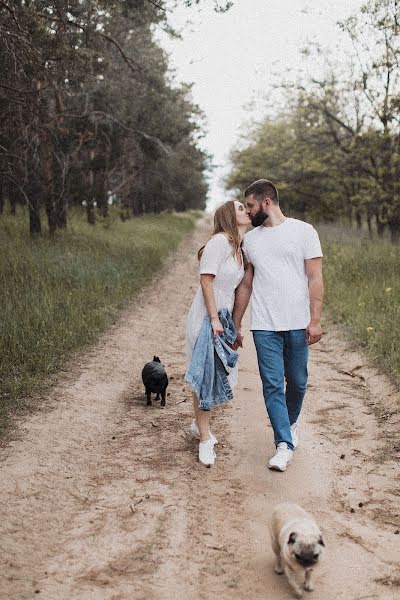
(269,346)
(295,354)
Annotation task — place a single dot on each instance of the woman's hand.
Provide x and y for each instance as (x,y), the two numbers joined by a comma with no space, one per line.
(216,326)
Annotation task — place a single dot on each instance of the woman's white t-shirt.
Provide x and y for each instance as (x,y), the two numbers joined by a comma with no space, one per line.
(280,298)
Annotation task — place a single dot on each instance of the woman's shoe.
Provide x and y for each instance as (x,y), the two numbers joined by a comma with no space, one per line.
(207,455)
(194,430)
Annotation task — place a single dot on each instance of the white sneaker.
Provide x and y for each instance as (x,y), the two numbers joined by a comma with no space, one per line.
(194,430)
(207,455)
(282,458)
(295,434)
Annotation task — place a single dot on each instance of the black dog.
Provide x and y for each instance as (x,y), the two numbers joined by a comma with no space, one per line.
(155,380)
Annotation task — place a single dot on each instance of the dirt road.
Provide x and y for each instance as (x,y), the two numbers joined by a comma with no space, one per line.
(103,498)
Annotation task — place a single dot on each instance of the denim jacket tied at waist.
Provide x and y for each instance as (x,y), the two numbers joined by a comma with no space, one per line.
(208,369)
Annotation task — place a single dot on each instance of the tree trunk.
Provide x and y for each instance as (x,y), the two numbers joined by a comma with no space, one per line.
(13,195)
(349,212)
(369,223)
(35,225)
(136,203)
(395,235)
(1,196)
(91,217)
(134,172)
(358,219)
(100,193)
(380,227)
(394,228)
(51,216)
(47,181)
(61,212)
(60,198)
(61,167)
(18,176)
(44,160)
(34,192)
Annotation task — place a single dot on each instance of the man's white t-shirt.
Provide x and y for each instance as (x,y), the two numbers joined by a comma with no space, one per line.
(280,299)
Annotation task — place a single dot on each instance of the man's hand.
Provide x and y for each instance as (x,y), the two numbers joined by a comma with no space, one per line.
(238,343)
(314,332)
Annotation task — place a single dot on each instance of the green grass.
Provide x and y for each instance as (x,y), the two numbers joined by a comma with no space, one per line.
(362,287)
(57,295)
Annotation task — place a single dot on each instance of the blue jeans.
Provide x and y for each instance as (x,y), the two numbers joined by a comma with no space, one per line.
(282,355)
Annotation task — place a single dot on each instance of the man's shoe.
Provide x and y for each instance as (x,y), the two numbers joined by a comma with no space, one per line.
(207,455)
(194,430)
(282,458)
(295,434)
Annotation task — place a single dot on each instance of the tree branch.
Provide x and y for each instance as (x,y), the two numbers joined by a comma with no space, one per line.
(157,5)
(332,116)
(129,61)
(143,134)
(10,10)
(126,58)
(60,15)
(7,87)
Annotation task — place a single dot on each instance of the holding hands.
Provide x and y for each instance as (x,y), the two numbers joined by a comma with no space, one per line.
(238,343)
(217,329)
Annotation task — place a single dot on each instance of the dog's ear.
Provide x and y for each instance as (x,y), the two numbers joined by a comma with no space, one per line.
(292,538)
(156,359)
(321,541)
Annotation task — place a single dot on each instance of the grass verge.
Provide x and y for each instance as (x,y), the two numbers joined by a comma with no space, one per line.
(57,295)
(362,287)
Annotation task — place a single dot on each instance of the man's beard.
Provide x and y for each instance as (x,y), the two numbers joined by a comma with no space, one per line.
(259,218)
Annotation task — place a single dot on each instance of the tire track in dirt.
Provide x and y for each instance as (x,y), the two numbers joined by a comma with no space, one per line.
(103,497)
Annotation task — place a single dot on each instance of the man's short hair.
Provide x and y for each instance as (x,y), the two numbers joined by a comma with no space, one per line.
(262,188)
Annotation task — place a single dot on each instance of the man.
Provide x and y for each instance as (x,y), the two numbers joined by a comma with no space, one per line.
(284,278)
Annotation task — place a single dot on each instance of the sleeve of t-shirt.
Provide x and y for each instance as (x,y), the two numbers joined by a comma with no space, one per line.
(312,245)
(213,254)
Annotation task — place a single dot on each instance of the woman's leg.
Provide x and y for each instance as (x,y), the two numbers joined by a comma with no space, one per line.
(206,446)
(202,419)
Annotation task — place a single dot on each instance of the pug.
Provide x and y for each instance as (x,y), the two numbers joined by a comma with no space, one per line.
(298,545)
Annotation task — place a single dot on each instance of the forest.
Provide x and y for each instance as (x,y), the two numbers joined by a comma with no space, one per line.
(333,144)
(90,115)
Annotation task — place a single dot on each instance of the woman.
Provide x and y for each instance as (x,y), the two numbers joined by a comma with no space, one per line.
(221,271)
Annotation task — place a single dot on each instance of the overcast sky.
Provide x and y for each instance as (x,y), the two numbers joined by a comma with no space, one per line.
(232,57)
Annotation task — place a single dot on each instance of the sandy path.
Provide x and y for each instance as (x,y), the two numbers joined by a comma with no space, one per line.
(103,498)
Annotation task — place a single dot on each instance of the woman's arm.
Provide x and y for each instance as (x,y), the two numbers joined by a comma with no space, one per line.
(207,286)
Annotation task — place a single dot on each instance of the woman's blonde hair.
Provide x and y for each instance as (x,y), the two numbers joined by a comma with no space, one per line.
(225,222)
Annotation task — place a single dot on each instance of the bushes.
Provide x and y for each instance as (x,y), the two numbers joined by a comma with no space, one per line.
(56,295)
(362,284)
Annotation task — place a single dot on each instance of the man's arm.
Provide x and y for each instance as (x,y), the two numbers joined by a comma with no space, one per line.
(316,291)
(242,297)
